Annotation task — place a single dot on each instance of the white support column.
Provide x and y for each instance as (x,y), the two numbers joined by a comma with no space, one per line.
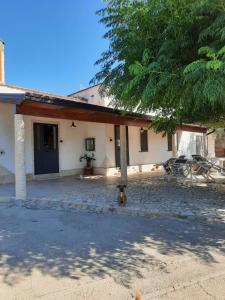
(174,145)
(123,155)
(20,171)
(205,148)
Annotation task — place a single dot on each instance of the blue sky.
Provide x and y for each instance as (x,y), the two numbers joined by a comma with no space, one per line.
(51,45)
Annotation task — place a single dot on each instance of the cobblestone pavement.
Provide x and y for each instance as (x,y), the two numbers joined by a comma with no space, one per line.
(147,195)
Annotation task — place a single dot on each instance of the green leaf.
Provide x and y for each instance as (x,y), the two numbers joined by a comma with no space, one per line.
(136,69)
(214,64)
(221,52)
(209,52)
(194,66)
(167,56)
(146,56)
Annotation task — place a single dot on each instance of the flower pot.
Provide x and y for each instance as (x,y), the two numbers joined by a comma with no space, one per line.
(88,171)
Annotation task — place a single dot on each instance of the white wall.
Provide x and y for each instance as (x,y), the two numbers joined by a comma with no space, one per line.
(73,145)
(211,145)
(70,149)
(93,96)
(157,148)
(98,131)
(6,138)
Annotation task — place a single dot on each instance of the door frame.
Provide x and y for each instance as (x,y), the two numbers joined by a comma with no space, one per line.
(45,122)
(115,148)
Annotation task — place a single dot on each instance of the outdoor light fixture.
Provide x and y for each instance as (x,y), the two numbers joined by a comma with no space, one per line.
(73,125)
(141,130)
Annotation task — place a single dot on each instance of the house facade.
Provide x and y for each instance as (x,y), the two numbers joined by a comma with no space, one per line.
(145,148)
(44,135)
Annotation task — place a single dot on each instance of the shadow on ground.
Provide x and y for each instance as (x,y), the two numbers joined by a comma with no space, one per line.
(75,245)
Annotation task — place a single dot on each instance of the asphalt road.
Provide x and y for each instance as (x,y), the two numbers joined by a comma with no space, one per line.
(47,254)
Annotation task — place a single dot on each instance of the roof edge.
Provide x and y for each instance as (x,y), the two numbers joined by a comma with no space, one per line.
(85,89)
(12,98)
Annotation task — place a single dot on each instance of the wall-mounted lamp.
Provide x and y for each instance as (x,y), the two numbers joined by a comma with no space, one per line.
(73,125)
(142,130)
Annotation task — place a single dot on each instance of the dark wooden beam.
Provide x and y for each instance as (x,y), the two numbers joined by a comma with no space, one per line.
(34,108)
(60,112)
(192,128)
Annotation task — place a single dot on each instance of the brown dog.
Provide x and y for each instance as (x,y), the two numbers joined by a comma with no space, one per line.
(138,297)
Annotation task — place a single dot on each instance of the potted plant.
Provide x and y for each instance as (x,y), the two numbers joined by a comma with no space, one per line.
(88,169)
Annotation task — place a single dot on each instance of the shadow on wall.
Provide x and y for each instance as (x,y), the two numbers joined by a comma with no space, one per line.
(75,245)
(5,175)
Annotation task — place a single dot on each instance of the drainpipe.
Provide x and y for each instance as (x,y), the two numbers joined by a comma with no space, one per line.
(205,150)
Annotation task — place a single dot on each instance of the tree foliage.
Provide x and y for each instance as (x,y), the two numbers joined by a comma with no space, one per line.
(166,56)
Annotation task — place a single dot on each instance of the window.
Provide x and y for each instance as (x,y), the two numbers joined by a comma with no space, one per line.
(144,140)
(170,142)
(90,144)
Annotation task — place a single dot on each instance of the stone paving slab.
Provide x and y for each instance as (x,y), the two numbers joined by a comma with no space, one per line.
(147,196)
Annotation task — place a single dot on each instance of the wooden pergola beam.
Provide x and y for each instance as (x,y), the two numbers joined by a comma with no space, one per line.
(192,128)
(61,112)
(91,114)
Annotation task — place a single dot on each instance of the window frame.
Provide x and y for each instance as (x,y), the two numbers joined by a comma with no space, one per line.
(169,142)
(88,142)
(144,143)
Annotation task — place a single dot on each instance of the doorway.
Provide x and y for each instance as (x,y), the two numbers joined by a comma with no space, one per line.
(46,149)
(117,145)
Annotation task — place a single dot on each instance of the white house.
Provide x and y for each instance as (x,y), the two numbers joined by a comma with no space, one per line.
(37,139)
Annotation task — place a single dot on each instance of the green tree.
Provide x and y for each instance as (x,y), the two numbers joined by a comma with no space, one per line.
(166,56)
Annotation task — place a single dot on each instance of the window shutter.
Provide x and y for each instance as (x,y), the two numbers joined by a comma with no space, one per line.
(144,140)
(170,142)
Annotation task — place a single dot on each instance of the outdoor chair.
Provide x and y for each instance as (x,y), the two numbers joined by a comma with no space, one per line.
(201,168)
(168,165)
(199,158)
(204,161)
(180,167)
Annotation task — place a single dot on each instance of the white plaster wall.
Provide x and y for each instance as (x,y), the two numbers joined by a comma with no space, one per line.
(7,138)
(93,96)
(70,149)
(73,145)
(98,131)
(104,144)
(157,148)
(110,146)
(211,146)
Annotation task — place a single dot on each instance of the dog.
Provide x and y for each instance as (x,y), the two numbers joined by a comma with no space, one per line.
(138,297)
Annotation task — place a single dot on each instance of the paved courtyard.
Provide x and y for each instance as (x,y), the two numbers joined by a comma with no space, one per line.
(147,194)
(71,240)
(61,255)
